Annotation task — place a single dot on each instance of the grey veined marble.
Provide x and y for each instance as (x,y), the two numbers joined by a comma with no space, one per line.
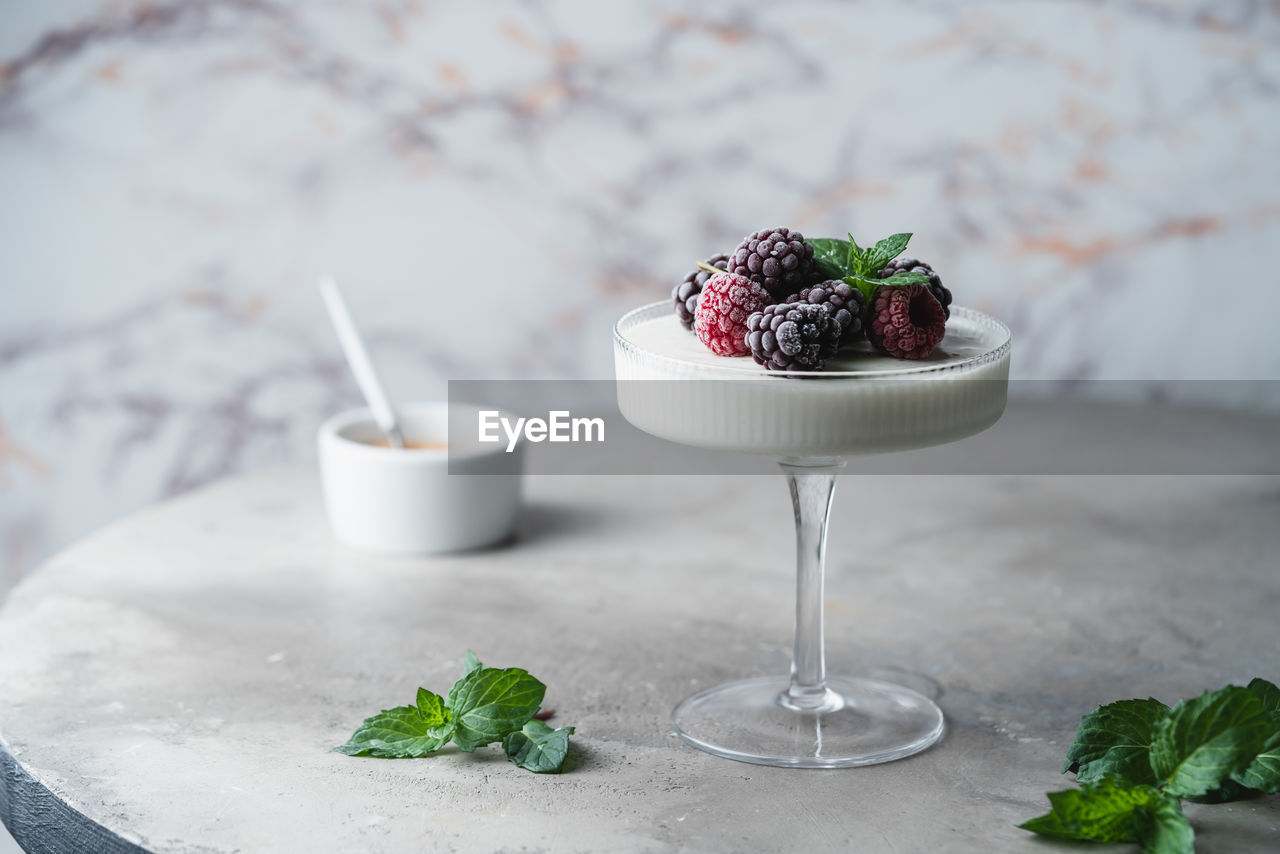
(176,681)
(176,174)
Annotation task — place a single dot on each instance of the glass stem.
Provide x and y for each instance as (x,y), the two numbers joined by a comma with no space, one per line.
(812,483)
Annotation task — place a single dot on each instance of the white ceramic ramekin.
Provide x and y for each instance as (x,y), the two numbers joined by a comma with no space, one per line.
(407,501)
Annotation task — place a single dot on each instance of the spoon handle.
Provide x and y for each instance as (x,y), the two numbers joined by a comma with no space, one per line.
(358,358)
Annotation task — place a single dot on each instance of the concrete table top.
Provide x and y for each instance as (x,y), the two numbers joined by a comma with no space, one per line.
(176,682)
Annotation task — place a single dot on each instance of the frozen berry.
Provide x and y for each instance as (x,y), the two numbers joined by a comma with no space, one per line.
(798,336)
(914,265)
(721,319)
(777,258)
(905,321)
(685,294)
(841,299)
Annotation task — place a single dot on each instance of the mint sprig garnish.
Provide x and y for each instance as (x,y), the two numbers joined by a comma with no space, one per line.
(1135,759)
(485,706)
(860,268)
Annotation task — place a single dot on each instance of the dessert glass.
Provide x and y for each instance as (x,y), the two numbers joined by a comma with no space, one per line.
(810,422)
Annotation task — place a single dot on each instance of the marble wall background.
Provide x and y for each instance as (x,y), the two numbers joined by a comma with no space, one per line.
(495,182)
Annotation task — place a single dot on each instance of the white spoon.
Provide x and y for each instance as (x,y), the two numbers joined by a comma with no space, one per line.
(358,359)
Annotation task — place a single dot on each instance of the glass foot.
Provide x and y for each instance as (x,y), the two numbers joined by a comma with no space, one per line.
(859,722)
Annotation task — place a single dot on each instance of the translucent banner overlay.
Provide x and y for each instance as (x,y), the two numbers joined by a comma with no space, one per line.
(891,426)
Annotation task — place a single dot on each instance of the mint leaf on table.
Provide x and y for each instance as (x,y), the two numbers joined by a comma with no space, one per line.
(1115,740)
(1164,829)
(1207,739)
(1134,759)
(1263,772)
(437,716)
(1269,694)
(402,732)
(538,748)
(1230,790)
(486,705)
(489,703)
(1110,810)
(832,257)
(1104,811)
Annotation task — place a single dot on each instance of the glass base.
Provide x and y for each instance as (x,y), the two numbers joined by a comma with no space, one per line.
(858,722)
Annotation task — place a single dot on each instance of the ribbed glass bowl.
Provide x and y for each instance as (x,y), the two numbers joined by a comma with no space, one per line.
(732,404)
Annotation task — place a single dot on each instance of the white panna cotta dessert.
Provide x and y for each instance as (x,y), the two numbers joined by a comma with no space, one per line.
(826,395)
(672,386)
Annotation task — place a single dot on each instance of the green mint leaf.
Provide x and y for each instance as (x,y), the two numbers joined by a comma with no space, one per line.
(538,748)
(869,284)
(1164,829)
(487,704)
(1115,740)
(904,279)
(856,253)
(1049,824)
(886,250)
(832,257)
(470,663)
(859,264)
(1263,773)
(437,718)
(1104,811)
(399,733)
(1205,740)
(853,264)
(1269,694)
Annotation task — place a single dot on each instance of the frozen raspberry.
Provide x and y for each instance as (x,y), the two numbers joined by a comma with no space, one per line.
(914,265)
(777,258)
(721,319)
(905,321)
(685,294)
(841,299)
(798,336)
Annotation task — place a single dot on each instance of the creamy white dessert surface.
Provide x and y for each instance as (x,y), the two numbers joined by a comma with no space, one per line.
(673,387)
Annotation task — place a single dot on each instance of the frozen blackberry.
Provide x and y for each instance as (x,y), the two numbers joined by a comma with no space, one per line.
(915,265)
(841,299)
(777,258)
(685,295)
(798,336)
